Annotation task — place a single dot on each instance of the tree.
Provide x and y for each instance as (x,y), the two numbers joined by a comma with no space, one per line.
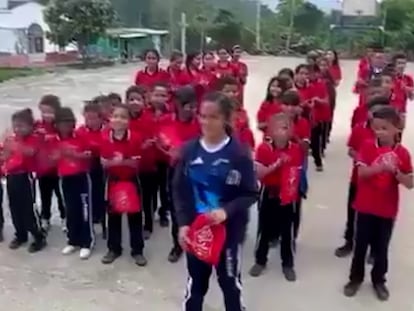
(81,22)
(226,30)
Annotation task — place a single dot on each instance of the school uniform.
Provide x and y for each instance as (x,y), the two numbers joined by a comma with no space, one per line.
(360,134)
(47,176)
(144,124)
(76,187)
(129,148)
(376,203)
(148,79)
(206,179)
(242,128)
(266,110)
(321,113)
(243,72)
(21,190)
(279,197)
(96,173)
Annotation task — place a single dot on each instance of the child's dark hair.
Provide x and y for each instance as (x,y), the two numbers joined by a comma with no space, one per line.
(282,83)
(65,114)
(24,115)
(50,100)
(185,95)
(389,114)
(300,67)
(176,55)
(153,51)
(211,53)
(98,100)
(225,105)
(226,80)
(189,59)
(378,102)
(336,58)
(123,107)
(92,108)
(389,71)
(290,98)
(398,56)
(114,97)
(134,89)
(286,71)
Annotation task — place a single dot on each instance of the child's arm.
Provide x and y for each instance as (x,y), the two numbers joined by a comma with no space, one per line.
(263,170)
(406,180)
(366,171)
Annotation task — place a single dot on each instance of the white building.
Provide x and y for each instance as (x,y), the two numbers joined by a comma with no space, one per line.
(23,29)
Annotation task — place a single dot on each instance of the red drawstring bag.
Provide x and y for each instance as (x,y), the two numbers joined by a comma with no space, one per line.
(289,189)
(206,241)
(123,197)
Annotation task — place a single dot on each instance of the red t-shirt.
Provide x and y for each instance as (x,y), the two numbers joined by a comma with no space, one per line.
(67,165)
(379,194)
(127,148)
(148,79)
(47,132)
(267,154)
(359,116)
(242,71)
(92,137)
(321,112)
(246,136)
(176,78)
(359,135)
(302,129)
(399,99)
(266,110)
(336,73)
(17,162)
(226,69)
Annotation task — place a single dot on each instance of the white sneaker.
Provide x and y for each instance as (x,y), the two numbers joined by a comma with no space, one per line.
(45,224)
(63,226)
(85,253)
(69,249)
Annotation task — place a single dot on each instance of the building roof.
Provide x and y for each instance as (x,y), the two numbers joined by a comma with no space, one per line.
(135,32)
(15,3)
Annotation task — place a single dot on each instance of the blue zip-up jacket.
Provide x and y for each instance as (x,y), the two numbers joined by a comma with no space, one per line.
(224,179)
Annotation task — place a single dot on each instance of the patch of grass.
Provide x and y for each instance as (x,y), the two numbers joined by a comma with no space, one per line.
(12,73)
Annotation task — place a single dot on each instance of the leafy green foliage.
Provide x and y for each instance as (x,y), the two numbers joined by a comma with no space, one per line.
(78,21)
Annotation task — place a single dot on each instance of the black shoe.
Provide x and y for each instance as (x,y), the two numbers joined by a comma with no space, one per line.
(319,168)
(175,254)
(146,234)
(16,243)
(37,246)
(140,260)
(164,222)
(351,289)
(381,291)
(290,274)
(256,270)
(110,257)
(1,235)
(344,250)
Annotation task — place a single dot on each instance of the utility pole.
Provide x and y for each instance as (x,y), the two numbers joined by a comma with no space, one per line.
(171,6)
(258,21)
(291,23)
(183,26)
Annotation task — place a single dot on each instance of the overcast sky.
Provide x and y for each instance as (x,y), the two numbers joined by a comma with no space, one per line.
(324,4)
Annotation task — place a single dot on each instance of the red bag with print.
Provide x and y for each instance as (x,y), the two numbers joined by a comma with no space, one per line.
(123,197)
(289,188)
(206,241)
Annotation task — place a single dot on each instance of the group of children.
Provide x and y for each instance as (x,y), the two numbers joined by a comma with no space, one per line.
(125,153)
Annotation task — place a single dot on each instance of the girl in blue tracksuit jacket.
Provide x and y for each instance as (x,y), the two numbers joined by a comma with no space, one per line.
(215,175)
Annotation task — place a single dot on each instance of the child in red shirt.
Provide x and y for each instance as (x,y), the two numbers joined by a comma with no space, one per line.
(278,167)
(152,73)
(91,132)
(330,82)
(120,153)
(47,175)
(182,129)
(403,83)
(242,70)
(224,66)
(383,164)
(304,89)
(290,103)
(142,122)
(175,71)
(359,135)
(18,155)
(229,87)
(271,105)
(73,155)
(160,115)
(334,66)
